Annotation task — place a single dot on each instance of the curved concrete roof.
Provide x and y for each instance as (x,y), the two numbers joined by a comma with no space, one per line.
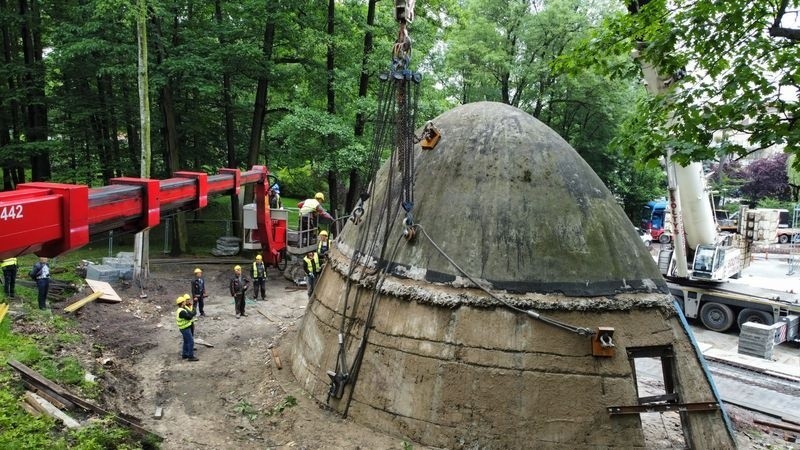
(513,204)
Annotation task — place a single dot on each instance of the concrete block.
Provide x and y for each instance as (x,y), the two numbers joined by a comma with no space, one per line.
(120,263)
(102,272)
(125,255)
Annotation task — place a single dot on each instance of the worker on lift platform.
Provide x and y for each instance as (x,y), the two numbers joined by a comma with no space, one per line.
(310,211)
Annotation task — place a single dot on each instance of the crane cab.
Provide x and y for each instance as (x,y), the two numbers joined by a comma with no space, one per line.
(716,263)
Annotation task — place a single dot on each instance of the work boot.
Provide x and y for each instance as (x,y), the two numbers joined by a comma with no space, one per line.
(192,359)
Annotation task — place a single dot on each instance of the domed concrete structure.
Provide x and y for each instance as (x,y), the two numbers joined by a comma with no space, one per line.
(421,352)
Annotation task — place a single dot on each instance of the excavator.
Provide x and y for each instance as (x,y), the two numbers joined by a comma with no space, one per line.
(49,219)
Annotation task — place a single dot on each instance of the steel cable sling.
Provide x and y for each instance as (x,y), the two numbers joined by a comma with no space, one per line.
(403,85)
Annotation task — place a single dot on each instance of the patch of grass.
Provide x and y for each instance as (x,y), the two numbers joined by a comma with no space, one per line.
(246,409)
(18,429)
(287,402)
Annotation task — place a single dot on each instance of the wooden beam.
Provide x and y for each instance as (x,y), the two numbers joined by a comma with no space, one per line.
(782,426)
(83,302)
(276,358)
(47,408)
(3,310)
(57,400)
(37,379)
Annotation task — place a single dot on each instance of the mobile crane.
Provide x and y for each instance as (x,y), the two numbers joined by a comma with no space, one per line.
(701,261)
(49,219)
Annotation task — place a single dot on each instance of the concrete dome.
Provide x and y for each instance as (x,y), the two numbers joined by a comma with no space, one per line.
(513,204)
(421,353)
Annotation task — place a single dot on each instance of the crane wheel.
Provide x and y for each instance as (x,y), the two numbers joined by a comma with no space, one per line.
(716,316)
(754,315)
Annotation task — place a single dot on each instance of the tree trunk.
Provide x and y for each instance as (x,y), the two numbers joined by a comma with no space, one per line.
(141,245)
(131,129)
(233,162)
(354,186)
(331,108)
(33,83)
(171,150)
(260,107)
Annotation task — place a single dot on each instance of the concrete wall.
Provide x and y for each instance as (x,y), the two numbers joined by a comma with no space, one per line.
(471,377)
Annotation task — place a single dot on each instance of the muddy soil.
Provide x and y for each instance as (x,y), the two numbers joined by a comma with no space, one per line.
(235,397)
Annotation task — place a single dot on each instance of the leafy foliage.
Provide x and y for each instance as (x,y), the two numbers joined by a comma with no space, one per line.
(767,177)
(741,60)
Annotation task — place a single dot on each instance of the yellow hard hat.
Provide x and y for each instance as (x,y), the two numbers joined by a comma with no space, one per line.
(237,267)
(320,196)
(258,258)
(182,299)
(323,233)
(197,270)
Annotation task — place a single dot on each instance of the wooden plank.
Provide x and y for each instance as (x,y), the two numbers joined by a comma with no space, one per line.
(83,302)
(782,426)
(276,358)
(30,409)
(30,374)
(57,400)
(260,312)
(202,342)
(47,408)
(3,310)
(109,294)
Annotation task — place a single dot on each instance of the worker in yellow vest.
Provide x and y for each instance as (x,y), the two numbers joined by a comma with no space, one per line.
(324,245)
(9,267)
(312,269)
(259,278)
(185,317)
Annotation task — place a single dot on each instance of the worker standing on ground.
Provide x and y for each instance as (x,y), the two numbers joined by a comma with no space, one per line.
(259,278)
(310,210)
(41,273)
(199,291)
(9,267)
(239,285)
(185,317)
(323,246)
(312,269)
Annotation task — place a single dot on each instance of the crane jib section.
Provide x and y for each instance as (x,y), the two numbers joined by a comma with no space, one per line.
(52,218)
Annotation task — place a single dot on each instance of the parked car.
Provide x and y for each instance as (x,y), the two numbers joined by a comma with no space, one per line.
(646,237)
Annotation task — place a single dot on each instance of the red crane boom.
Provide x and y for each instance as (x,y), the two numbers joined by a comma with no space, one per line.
(53,218)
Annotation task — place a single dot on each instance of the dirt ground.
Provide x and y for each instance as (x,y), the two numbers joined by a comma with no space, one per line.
(235,397)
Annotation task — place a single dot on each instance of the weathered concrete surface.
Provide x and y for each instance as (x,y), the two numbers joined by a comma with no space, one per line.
(514,204)
(448,366)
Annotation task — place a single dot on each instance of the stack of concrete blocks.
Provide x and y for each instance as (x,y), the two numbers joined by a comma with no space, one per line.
(226,246)
(762,224)
(112,269)
(757,339)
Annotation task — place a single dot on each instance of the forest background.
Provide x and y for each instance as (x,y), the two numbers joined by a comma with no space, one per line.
(293,85)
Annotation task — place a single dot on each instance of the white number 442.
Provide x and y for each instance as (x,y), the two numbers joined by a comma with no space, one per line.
(11,212)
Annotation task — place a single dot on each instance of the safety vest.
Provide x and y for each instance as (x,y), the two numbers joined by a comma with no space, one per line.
(309,206)
(183,323)
(311,264)
(255,270)
(322,249)
(8,262)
